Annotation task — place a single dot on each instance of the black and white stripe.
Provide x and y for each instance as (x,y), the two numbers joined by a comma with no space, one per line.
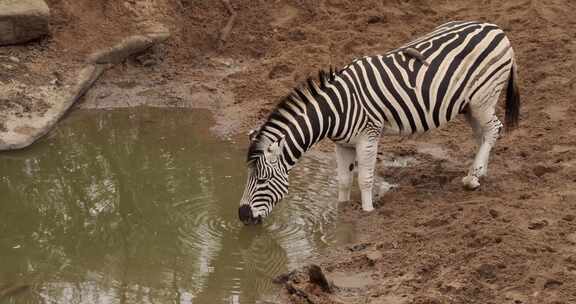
(459,66)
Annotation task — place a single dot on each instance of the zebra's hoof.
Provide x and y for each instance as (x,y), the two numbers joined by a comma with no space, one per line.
(470,182)
(367,208)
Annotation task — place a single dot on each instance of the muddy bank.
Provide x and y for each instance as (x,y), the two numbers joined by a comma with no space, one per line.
(510,242)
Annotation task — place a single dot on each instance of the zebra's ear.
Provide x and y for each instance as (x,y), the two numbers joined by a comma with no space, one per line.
(252,135)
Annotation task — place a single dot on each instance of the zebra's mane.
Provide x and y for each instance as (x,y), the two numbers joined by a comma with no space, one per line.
(295,98)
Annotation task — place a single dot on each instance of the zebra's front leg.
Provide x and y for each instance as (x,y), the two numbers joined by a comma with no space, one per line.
(490,128)
(366,151)
(345,157)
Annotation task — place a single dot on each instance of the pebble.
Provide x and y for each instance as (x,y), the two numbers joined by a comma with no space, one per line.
(552,283)
(571,238)
(494,213)
(374,256)
(14,59)
(537,225)
(359,247)
(104,95)
(8,67)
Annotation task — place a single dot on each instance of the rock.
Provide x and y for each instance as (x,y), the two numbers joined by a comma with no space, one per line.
(296,35)
(374,256)
(376,19)
(494,213)
(284,278)
(352,280)
(23,20)
(280,71)
(541,170)
(8,67)
(486,272)
(25,127)
(359,247)
(552,283)
(317,277)
(571,238)
(14,59)
(56,82)
(537,225)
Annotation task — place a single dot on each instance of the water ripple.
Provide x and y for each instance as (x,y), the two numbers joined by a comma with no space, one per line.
(129,210)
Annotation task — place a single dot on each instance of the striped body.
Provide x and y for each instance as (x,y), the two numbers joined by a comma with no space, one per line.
(406,97)
(458,67)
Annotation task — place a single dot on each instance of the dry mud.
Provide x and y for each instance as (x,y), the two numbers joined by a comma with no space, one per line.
(428,241)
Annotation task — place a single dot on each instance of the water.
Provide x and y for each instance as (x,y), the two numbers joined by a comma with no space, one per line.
(140,206)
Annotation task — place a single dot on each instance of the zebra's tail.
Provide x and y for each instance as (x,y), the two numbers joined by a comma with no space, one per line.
(512,100)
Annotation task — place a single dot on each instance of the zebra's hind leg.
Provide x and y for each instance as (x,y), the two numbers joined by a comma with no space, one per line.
(476,128)
(366,150)
(345,157)
(487,129)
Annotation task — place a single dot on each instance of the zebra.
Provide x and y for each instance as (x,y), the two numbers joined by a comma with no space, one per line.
(459,68)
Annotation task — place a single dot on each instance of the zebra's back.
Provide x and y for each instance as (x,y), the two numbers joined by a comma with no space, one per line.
(461,63)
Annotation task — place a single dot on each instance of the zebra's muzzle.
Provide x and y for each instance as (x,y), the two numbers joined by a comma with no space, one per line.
(246,216)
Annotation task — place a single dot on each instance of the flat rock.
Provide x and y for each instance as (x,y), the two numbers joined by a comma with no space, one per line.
(30,113)
(351,280)
(22,20)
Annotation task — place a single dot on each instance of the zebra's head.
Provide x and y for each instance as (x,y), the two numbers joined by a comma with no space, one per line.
(267,180)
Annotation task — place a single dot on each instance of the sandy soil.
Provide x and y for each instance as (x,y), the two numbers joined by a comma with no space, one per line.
(429,241)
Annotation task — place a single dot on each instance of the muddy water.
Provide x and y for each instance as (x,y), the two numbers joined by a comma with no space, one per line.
(140,206)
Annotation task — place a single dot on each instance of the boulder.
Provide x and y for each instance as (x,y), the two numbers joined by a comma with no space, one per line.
(22,20)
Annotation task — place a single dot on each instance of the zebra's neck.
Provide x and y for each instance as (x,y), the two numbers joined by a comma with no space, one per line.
(301,120)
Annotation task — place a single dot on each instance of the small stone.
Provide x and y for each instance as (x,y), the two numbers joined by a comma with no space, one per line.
(569,217)
(284,278)
(571,238)
(8,67)
(280,71)
(524,196)
(487,272)
(359,247)
(374,256)
(104,94)
(552,283)
(14,59)
(149,62)
(493,213)
(296,35)
(375,19)
(550,249)
(541,170)
(537,225)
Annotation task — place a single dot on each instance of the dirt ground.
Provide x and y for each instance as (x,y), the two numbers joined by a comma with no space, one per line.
(429,241)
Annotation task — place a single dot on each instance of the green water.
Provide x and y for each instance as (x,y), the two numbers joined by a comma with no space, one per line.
(140,206)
